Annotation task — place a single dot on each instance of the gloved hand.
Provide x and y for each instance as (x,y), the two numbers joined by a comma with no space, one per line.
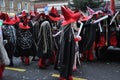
(77,38)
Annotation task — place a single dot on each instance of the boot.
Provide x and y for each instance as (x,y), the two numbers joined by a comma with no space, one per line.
(41,63)
(1,73)
(53,58)
(62,78)
(70,78)
(91,56)
(3,67)
(27,60)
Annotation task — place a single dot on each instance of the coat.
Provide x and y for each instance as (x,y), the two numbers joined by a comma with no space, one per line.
(66,52)
(45,40)
(3,53)
(9,34)
(24,43)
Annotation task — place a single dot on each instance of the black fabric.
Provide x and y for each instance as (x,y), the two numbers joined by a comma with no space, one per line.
(45,40)
(9,34)
(66,53)
(24,46)
(35,30)
(88,36)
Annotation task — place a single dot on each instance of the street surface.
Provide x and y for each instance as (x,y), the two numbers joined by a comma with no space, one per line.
(106,69)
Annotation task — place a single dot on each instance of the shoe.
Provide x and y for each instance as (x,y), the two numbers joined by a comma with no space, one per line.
(61,78)
(70,78)
(52,59)
(1,73)
(41,63)
(3,67)
(27,61)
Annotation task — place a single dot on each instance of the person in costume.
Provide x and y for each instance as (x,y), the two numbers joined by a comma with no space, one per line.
(32,23)
(67,45)
(44,41)
(4,60)
(24,45)
(9,34)
(54,20)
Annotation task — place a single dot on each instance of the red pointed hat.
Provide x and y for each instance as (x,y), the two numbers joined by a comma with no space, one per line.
(16,19)
(69,17)
(2,15)
(8,20)
(32,13)
(42,14)
(68,9)
(112,6)
(85,18)
(53,14)
(23,27)
(75,15)
(23,14)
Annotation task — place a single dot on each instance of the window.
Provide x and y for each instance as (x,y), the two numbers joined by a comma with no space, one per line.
(32,7)
(19,6)
(11,4)
(2,3)
(26,6)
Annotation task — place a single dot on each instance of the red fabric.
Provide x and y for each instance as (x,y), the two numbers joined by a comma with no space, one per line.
(70,78)
(23,27)
(61,78)
(55,12)
(113,40)
(32,13)
(23,14)
(16,19)
(8,20)
(68,16)
(101,43)
(112,6)
(42,63)
(27,60)
(77,39)
(91,56)
(88,55)
(1,72)
(53,58)
(3,67)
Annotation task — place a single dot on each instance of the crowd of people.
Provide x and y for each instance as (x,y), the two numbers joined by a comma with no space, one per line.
(62,40)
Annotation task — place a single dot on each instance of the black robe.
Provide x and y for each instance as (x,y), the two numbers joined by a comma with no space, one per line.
(88,35)
(9,34)
(44,40)
(66,52)
(25,45)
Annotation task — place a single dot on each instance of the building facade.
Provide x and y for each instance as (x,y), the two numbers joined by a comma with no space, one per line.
(46,5)
(15,6)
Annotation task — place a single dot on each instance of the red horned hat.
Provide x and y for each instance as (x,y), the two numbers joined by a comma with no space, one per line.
(8,20)
(53,14)
(23,26)
(69,17)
